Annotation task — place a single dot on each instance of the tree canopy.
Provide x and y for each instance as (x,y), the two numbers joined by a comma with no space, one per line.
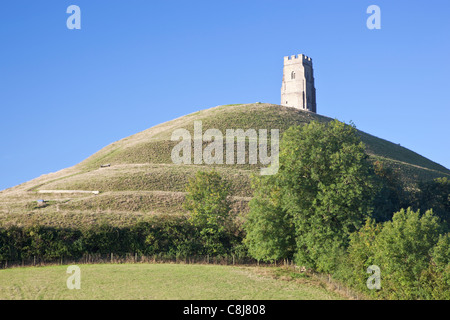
(320,195)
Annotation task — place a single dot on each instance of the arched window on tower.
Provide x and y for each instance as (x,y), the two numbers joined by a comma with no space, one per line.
(293,75)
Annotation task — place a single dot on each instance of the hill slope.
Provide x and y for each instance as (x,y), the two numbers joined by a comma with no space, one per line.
(142,179)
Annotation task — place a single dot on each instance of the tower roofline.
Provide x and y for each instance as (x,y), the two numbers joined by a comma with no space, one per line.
(300,58)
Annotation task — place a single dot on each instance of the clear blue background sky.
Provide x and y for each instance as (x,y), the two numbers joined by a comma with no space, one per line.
(65,94)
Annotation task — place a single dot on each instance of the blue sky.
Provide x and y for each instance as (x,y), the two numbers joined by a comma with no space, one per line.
(65,94)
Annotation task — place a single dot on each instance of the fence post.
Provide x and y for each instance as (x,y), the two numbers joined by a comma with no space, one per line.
(112,256)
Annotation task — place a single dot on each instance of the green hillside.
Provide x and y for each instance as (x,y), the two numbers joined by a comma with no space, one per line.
(143,181)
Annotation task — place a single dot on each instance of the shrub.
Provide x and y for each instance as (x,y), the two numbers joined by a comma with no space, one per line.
(435,194)
(168,235)
(209,205)
(403,249)
(361,255)
(270,233)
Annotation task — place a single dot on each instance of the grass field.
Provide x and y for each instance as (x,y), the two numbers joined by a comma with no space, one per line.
(160,281)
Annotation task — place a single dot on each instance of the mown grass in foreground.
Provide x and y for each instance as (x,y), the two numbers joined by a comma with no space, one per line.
(157,281)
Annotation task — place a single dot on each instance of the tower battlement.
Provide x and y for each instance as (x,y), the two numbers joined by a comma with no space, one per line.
(297,89)
(300,58)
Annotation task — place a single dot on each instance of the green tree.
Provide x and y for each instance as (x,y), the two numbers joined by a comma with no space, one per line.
(320,195)
(412,255)
(209,204)
(270,233)
(361,254)
(435,194)
(441,252)
(326,186)
(390,196)
(403,251)
(437,278)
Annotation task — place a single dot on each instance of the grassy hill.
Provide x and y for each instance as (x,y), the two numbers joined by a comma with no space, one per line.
(143,181)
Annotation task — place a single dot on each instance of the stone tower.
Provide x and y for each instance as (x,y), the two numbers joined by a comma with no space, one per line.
(297,89)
